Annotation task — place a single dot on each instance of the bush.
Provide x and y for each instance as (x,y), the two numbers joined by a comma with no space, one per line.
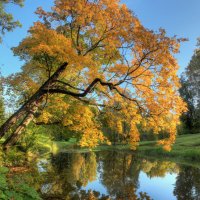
(15,188)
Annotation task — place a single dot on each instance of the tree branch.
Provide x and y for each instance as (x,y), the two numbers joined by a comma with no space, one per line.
(69,85)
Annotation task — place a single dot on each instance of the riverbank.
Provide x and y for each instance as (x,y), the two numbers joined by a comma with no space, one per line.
(186,148)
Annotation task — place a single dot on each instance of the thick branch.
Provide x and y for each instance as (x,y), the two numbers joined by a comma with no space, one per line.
(69,85)
(89,89)
(50,123)
(83,94)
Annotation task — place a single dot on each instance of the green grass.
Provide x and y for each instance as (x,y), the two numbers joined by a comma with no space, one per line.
(44,143)
(69,146)
(186,148)
(58,146)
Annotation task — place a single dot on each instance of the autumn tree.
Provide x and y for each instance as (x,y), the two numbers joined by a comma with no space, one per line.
(158,168)
(110,60)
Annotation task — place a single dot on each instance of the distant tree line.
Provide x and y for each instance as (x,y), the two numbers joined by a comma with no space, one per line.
(190,92)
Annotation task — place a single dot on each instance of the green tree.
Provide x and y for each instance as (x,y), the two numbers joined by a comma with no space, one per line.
(193,73)
(187,95)
(2,108)
(7,22)
(2,113)
(187,184)
(190,90)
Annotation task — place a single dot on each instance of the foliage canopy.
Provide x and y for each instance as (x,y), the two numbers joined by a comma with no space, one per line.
(114,64)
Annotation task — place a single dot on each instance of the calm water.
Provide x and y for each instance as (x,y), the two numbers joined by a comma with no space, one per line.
(115,175)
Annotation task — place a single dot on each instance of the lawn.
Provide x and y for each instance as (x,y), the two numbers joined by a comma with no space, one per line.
(186,147)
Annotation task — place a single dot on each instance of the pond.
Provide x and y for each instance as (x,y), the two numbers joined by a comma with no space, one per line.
(114,175)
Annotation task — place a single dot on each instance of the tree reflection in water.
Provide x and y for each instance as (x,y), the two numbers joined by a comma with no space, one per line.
(120,174)
(188,184)
(67,175)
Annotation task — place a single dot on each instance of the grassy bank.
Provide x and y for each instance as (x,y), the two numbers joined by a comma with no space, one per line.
(186,148)
(72,147)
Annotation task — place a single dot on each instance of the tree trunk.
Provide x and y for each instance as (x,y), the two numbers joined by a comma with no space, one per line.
(12,139)
(25,109)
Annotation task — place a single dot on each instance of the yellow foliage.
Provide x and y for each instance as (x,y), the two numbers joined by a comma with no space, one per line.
(134,136)
(103,39)
(44,117)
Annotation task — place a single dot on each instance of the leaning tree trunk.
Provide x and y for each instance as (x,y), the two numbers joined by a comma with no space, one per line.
(12,139)
(28,108)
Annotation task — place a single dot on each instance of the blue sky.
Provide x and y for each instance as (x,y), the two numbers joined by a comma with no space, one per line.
(178,17)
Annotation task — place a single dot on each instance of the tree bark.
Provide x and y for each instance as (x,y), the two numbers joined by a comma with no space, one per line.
(12,139)
(26,108)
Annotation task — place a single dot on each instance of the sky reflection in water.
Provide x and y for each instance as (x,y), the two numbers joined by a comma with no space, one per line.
(119,175)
